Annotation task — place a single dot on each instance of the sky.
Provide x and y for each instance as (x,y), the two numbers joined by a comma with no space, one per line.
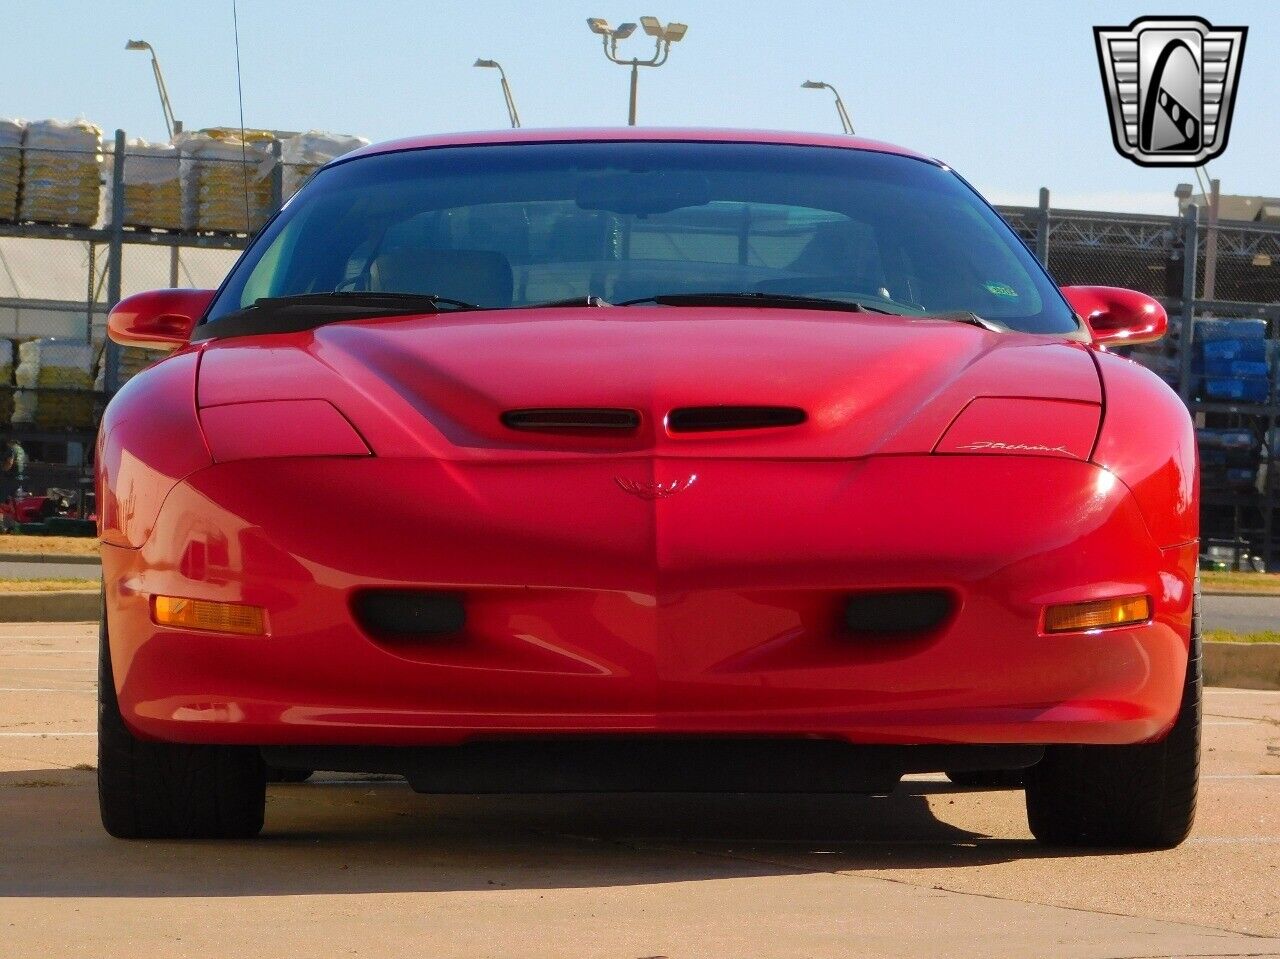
(1008,93)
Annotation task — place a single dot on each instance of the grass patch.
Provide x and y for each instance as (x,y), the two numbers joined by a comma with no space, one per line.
(1227,636)
(1244,582)
(37,783)
(39,545)
(46,585)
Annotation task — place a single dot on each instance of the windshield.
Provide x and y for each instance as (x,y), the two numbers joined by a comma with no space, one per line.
(521,225)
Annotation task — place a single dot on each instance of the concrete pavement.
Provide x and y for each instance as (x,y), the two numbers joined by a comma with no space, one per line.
(367,868)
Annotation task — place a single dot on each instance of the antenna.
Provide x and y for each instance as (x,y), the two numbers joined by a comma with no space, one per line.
(244,148)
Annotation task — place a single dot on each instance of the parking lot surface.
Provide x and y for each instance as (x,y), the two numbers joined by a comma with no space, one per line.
(364,867)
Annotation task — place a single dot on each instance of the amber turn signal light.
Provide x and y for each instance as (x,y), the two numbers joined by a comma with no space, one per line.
(1099,614)
(208,615)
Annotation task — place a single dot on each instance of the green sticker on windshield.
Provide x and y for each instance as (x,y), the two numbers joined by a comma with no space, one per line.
(1002,289)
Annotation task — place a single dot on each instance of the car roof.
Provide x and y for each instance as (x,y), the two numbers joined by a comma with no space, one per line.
(641,134)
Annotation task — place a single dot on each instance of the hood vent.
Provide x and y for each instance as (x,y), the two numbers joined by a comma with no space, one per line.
(571,419)
(710,419)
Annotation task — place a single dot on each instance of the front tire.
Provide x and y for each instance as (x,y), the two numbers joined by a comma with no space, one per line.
(1141,796)
(153,790)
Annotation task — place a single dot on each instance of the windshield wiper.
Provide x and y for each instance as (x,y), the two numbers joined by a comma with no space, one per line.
(306,311)
(973,319)
(790,301)
(588,300)
(801,302)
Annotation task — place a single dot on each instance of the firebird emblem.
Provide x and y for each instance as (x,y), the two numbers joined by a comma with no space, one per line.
(648,490)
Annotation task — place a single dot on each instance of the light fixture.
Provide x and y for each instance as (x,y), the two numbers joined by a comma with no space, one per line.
(208,615)
(663,37)
(512,114)
(1097,614)
(172,125)
(845,123)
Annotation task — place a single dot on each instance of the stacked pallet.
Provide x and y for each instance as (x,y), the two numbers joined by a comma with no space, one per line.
(226,180)
(1231,355)
(64,368)
(305,153)
(1228,457)
(11,133)
(61,173)
(152,186)
(133,360)
(6,382)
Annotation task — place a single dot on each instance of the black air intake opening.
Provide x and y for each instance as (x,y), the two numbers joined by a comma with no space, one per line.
(409,613)
(898,613)
(710,419)
(575,419)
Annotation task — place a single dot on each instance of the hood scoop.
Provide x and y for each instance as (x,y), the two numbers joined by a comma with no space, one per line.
(572,419)
(718,419)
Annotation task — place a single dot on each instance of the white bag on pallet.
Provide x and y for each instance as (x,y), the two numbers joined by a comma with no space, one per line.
(152,186)
(305,153)
(11,134)
(66,368)
(133,360)
(61,172)
(226,181)
(6,382)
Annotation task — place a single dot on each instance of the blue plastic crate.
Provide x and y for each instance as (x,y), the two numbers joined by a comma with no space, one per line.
(1234,349)
(1245,390)
(1246,369)
(1250,329)
(1224,439)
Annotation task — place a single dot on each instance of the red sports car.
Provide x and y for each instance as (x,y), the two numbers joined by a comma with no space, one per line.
(647,460)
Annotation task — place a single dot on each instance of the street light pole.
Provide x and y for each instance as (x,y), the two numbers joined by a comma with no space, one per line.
(506,89)
(635,90)
(663,36)
(173,126)
(845,123)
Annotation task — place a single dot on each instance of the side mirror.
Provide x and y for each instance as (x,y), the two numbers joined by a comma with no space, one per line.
(160,319)
(1118,317)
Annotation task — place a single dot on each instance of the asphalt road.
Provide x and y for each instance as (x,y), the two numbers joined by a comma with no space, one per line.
(1242,614)
(350,867)
(50,570)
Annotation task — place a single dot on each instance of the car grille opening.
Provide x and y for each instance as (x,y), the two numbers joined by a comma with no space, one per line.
(711,419)
(573,419)
(898,613)
(409,613)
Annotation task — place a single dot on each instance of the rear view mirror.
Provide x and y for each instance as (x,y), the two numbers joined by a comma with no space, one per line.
(641,193)
(1118,317)
(160,319)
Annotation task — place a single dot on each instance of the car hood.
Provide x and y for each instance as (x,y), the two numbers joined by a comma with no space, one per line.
(438,385)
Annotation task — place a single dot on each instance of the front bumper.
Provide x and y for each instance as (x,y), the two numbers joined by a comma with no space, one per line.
(713,611)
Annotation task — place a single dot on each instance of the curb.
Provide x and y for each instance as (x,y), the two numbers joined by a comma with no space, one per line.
(1250,594)
(1242,665)
(74,558)
(58,606)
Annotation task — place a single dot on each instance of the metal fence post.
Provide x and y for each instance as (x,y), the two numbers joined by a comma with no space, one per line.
(277,175)
(115,261)
(1186,335)
(1042,228)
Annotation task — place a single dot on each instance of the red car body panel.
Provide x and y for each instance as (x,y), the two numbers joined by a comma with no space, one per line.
(653,582)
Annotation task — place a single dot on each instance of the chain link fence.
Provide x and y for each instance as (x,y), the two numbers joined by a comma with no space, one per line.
(150,216)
